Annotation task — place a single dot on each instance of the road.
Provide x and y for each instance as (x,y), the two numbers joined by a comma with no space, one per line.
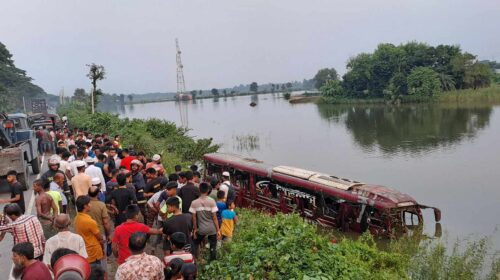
(7,243)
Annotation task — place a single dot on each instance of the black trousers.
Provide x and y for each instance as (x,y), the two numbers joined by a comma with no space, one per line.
(212,241)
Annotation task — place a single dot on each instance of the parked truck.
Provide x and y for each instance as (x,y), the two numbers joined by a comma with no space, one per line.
(18,149)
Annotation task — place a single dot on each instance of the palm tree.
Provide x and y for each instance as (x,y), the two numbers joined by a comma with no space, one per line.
(447,82)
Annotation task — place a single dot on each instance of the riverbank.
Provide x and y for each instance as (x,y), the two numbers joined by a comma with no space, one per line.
(481,95)
(153,136)
(286,247)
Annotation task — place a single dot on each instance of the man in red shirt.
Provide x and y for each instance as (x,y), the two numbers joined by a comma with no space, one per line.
(25,266)
(127,159)
(125,230)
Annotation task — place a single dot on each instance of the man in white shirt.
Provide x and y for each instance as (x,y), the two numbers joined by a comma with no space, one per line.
(72,165)
(225,183)
(95,172)
(64,239)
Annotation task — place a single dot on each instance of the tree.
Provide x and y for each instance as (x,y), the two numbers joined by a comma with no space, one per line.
(130,97)
(273,87)
(81,96)
(289,86)
(423,81)
(224,92)
(478,75)
(332,88)
(323,75)
(254,87)
(96,73)
(14,83)
(215,92)
(282,87)
(447,82)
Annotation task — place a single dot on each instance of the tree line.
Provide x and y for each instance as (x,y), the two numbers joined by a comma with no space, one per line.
(411,69)
(14,83)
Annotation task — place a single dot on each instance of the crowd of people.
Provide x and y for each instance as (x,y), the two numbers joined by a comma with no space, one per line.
(100,207)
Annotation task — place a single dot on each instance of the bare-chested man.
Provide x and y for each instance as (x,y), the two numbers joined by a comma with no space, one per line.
(46,208)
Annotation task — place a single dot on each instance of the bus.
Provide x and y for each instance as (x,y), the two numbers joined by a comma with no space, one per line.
(327,200)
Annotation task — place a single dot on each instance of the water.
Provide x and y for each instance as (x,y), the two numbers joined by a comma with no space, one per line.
(442,155)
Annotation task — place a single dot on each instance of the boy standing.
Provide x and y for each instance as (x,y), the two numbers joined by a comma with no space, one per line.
(205,222)
(221,205)
(229,219)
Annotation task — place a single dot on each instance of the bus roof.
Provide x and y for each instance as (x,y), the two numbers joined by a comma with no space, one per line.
(378,196)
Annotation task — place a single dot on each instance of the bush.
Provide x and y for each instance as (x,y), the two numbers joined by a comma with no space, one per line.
(151,136)
(285,247)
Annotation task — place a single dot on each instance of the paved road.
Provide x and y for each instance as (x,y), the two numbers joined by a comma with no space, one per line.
(7,243)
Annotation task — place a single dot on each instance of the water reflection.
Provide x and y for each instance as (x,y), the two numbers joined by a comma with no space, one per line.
(409,128)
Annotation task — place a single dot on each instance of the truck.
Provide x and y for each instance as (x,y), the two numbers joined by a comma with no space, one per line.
(18,149)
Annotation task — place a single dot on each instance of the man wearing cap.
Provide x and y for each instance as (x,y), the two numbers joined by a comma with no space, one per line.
(95,172)
(225,183)
(140,185)
(156,164)
(81,182)
(64,239)
(48,176)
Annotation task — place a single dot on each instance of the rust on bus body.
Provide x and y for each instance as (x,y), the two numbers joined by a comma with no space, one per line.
(324,199)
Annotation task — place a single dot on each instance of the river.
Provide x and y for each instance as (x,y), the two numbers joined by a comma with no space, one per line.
(444,155)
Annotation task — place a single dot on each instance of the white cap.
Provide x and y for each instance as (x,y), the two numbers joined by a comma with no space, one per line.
(136,161)
(96,181)
(225,174)
(90,160)
(80,163)
(156,157)
(53,160)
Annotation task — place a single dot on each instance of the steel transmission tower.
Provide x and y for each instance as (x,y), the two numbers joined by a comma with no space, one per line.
(181,87)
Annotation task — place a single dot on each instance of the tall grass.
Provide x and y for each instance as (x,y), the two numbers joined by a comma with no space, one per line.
(490,95)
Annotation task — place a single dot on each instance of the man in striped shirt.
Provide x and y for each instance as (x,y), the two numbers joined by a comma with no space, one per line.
(24,228)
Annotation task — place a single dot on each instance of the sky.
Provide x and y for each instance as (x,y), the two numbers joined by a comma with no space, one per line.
(227,42)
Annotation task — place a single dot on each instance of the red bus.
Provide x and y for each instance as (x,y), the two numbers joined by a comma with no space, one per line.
(325,199)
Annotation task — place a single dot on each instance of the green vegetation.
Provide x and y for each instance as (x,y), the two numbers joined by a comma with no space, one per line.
(286,247)
(14,83)
(489,95)
(151,136)
(96,73)
(406,73)
(325,75)
(254,87)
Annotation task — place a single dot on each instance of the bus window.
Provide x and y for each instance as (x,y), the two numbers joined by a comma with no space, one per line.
(411,219)
(266,188)
(242,180)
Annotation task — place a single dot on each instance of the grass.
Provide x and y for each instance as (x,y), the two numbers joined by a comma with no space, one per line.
(489,95)
(284,246)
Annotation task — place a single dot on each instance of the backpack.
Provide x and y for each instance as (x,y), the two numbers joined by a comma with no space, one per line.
(231,194)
